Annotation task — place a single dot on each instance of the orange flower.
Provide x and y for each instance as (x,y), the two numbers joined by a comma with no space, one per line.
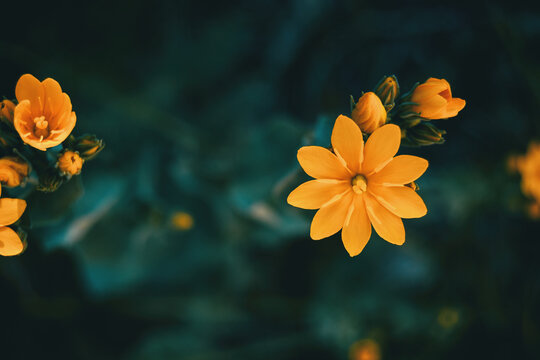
(43,117)
(10,211)
(358,186)
(435,101)
(369,112)
(13,171)
(70,163)
(7,107)
(529,167)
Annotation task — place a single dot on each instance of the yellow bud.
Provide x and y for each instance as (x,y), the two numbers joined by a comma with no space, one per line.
(13,171)
(387,89)
(7,107)
(369,113)
(70,163)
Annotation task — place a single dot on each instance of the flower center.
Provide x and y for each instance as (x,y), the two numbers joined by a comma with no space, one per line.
(359,184)
(445,94)
(41,128)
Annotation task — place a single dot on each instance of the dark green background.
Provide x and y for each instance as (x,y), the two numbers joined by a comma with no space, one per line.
(203,106)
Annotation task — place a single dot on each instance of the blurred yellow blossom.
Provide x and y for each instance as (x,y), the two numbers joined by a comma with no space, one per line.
(43,117)
(434,100)
(70,163)
(529,168)
(358,186)
(7,108)
(369,112)
(366,349)
(13,171)
(182,220)
(10,211)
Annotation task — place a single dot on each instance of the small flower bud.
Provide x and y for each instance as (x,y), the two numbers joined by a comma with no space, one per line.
(7,107)
(70,163)
(424,134)
(88,146)
(369,113)
(13,171)
(49,181)
(387,90)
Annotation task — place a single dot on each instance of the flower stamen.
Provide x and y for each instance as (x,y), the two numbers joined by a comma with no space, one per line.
(41,128)
(359,184)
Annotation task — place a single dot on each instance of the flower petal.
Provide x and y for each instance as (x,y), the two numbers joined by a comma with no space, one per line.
(10,243)
(400,200)
(11,210)
(454,106)
(380,147)
(402,169)
(315,193)
(357,229)
(30,88)
(331,218)
(320,163)
(348,142)
(387,225)
(54,99)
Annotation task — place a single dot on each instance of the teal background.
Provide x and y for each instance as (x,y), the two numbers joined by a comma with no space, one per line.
(203,106)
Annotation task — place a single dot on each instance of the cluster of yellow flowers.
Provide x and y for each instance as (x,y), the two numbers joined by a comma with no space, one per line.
(360,182)
(528,166)
(36,140)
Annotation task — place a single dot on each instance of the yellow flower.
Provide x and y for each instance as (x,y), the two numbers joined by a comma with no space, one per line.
(369,112)
(13,171)
(10,211)
(7,107)
(43,117)
(529,167)
(435,101)
(182,220)
(70,163)
(358,186)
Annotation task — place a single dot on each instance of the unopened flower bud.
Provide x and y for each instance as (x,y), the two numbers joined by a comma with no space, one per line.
(70,163)
(88,146)
(387,90)
(369,113)
(7,107)
(424,134)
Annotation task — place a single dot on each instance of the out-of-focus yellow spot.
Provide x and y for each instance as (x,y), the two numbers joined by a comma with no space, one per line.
(529,167)
(366,349)
(448,317)
(534,210)
(182,221)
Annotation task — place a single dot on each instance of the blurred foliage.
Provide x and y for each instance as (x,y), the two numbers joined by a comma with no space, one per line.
(203,108)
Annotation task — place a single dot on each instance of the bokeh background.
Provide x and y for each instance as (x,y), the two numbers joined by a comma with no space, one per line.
(203,106)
